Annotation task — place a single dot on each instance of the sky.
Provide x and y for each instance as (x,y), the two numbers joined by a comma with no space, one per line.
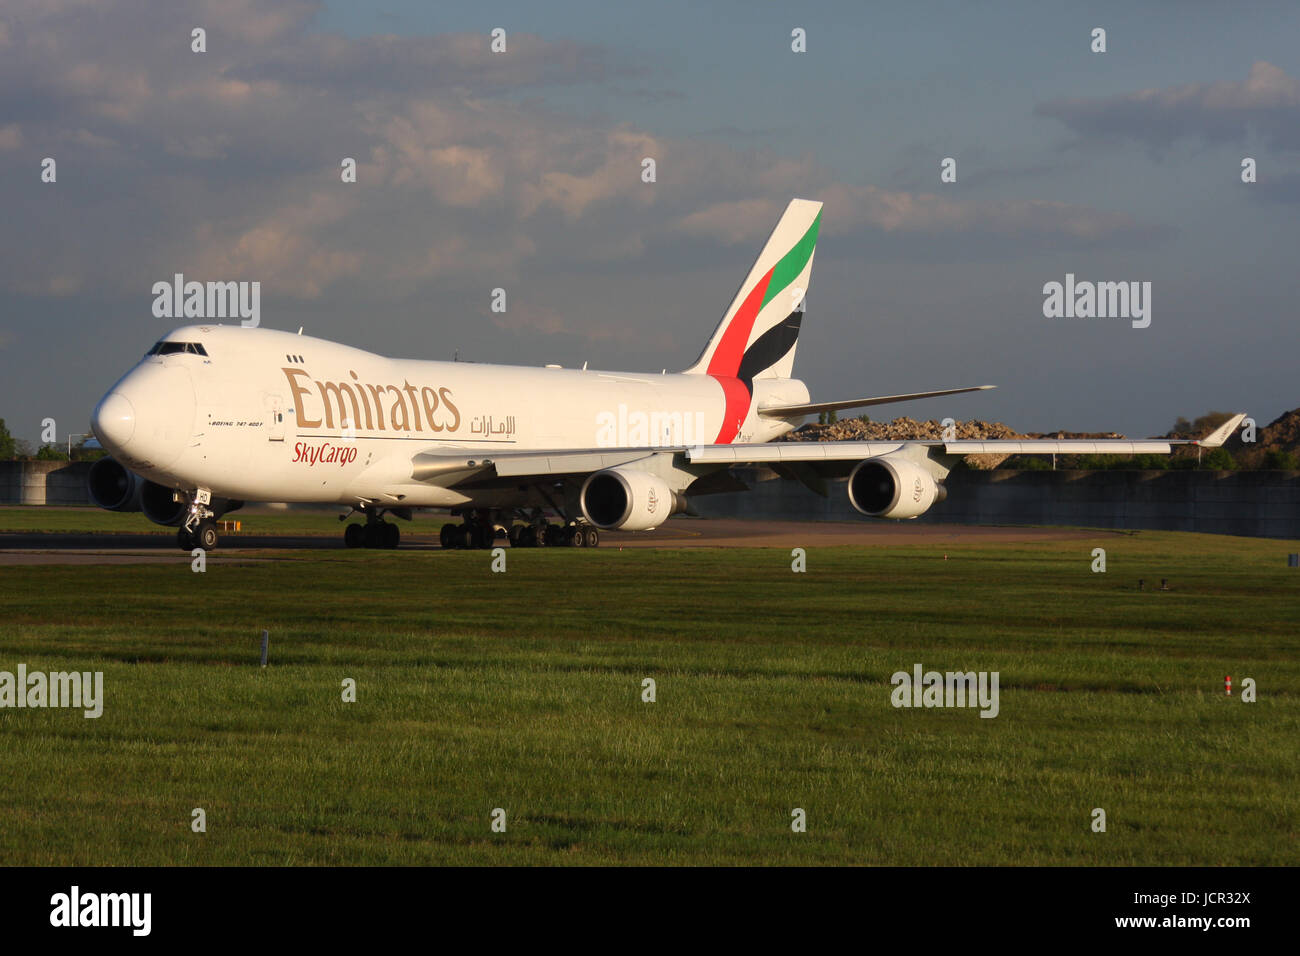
(521,170)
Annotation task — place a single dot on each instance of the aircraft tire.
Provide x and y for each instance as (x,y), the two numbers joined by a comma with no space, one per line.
(206,537)
(353,536)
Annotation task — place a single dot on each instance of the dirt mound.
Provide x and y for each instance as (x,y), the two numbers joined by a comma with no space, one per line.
(1282,435)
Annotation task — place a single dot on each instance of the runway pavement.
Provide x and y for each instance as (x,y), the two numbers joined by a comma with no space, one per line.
(52,548)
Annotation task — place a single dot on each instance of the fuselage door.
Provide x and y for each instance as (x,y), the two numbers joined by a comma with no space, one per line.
(274,406)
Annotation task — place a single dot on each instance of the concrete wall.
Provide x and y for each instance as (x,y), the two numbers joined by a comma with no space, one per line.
(1251,503)
(43,483)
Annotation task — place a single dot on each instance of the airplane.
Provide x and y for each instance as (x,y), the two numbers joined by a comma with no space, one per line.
(215,415)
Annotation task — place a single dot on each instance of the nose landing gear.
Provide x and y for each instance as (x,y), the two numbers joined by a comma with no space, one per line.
(199,530)
(204,536)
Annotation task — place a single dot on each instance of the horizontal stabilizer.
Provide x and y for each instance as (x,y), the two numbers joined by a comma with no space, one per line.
(791,411)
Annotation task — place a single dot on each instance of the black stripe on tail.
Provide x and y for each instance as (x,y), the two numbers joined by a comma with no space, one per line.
(769,348)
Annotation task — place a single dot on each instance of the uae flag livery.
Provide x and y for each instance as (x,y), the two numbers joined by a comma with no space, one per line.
(756,338)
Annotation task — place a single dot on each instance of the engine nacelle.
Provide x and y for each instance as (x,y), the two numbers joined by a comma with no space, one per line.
(627,499)
(889,487)
(157,504)
(113,487)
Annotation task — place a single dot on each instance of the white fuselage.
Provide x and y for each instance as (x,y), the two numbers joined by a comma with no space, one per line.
(271,416)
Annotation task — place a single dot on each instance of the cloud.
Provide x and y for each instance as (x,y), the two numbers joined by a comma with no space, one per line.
(362,65)
(1267,102)
(226,165)
(854,209)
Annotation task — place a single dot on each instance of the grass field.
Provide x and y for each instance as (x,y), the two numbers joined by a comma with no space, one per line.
(478,690)
(89,520)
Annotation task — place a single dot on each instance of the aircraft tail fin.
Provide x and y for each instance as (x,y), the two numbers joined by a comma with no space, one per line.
(758,333)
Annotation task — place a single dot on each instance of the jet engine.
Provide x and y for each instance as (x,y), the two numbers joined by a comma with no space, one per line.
(627,499)
(113,487)
(889,487)
(157,504)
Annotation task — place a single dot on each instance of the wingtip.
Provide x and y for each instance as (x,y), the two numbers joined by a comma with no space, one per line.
(1216,438)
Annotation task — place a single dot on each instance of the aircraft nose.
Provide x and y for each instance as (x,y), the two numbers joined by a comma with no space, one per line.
(147,419)
(114,421)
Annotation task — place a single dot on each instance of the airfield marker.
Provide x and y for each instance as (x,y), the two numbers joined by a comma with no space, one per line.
(266,641)
(1227,684)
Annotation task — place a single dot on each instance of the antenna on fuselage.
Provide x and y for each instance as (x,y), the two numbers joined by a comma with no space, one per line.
(300,330)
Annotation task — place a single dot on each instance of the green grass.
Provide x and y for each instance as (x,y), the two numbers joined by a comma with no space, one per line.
(91,520)
(522,691)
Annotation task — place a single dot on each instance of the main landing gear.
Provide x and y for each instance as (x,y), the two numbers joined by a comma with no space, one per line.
(375,533)
(482,528)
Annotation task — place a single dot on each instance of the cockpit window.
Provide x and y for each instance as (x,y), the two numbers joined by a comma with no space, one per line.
(171,348)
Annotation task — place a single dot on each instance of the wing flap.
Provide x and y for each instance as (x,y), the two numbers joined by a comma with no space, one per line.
(793,451)
(566,463)
(1010,446)
(449,470)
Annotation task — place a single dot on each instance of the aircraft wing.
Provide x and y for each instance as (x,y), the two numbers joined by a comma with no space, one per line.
(474,468)
(470,468)
(857,450)
(813,408)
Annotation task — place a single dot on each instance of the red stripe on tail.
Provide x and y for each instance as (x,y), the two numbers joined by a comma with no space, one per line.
(731,349)
(726,359)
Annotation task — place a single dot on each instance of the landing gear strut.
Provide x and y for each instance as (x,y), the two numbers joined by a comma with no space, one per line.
(199,529)
(477,530)
(375,533)
(480,529)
